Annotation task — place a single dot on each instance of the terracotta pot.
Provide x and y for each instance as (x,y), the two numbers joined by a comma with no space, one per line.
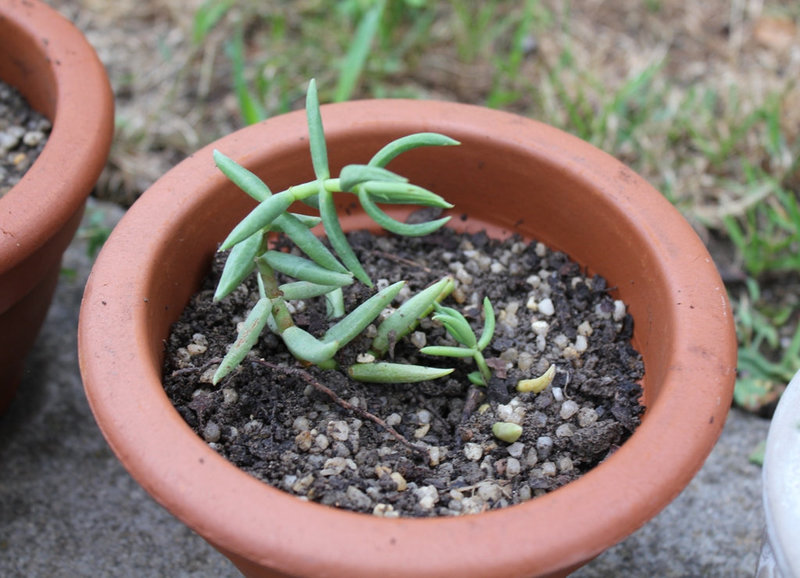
(50,62)
(509,175)
(780,557)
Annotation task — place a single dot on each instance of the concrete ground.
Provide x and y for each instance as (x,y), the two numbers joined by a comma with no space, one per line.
(69,509)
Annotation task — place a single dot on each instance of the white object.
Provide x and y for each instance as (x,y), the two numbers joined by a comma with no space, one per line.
(780,556)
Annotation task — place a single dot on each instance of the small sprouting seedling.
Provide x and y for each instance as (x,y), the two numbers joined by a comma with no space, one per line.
(537,384)
(322,272)
(470,346)
(507,431)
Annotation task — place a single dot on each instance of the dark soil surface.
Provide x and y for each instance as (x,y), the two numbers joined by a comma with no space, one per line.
(23,134)
(274,423)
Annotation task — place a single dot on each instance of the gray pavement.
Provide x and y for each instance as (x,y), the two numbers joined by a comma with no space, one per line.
(68,509)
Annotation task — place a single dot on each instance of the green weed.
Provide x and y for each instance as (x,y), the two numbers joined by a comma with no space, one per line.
(768,358)
(767,235)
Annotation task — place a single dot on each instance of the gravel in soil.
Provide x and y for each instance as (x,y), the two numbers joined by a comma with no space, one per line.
(269,420)
(23,134)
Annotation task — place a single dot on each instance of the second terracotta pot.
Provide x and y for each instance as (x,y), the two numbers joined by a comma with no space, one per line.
(50,62)
(510,175)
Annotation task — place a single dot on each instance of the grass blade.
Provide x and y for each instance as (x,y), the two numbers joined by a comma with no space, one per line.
(250,108)
(356,56)
(206,17)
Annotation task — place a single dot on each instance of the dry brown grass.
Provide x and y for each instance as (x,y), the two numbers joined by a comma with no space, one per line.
(173,96)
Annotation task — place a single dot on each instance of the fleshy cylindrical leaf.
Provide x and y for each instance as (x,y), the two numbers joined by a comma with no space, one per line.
(334,304)
(404,194)
(353,175)
(403,319)
(488,325)
(358,319)
(241,177)
(393,225)
(337,237)
(456,325)
(238,265)
(304,290)
(260,217)
(384,372)
(247,338)
(316,134)
(446,351)
(412,141)
(309,243)
(305,270)
(305,346)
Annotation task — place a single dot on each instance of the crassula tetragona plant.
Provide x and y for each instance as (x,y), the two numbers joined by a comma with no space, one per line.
(323,273)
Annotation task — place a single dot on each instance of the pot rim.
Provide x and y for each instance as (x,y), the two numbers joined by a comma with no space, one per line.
(60,75)
(642,477)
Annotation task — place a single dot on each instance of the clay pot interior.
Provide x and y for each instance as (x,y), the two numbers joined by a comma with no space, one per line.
(529,179)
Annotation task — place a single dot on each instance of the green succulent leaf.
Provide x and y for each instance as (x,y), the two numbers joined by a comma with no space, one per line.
(398,193)
(353,175)
(241,177)
(304,269)
(239,264)
(476,378)
(246,339)
(393,225)
(262,216)
(456,325)
(308,221)
(316,134)
(412,141)
(358,319)
(488,325)
(447,351)
(403,319)
(337,238)
(305,346)
(385,372)
(304,290)
(309,243)
(334,304)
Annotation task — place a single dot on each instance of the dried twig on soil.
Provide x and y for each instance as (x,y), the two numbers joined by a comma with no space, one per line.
(193,369)
(398,259)
(361,412)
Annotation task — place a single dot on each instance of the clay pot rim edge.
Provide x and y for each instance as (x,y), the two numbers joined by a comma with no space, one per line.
(84,106)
